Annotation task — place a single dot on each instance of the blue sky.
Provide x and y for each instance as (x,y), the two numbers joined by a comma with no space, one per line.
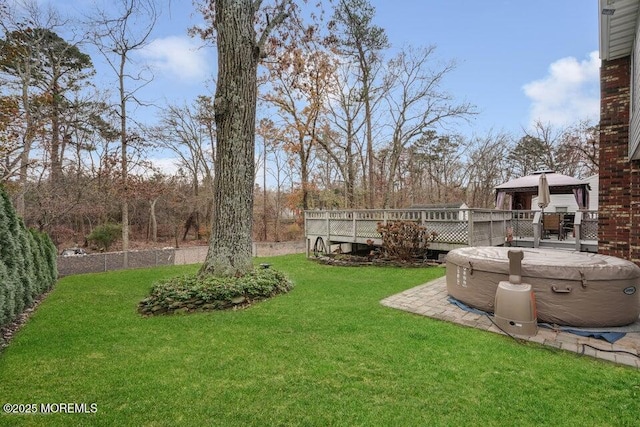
(517,60)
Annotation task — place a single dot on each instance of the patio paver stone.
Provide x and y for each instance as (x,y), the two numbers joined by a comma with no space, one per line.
(431,300)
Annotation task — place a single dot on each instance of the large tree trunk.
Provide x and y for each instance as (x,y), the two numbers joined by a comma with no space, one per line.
(235,114)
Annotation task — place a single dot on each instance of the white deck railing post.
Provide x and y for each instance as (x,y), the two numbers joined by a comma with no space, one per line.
(504,226)
(537,228)
(491,228)
(306,232)
(327,246)
(470,226)
(355,225)
(577,225)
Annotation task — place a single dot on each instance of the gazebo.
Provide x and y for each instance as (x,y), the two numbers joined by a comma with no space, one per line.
(523,189)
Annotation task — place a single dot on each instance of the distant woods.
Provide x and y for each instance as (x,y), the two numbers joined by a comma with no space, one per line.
(343,121)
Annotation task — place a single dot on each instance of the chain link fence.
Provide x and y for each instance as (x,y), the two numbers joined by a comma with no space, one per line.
(112,261)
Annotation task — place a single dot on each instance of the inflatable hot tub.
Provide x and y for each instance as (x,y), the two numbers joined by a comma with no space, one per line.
(571,288)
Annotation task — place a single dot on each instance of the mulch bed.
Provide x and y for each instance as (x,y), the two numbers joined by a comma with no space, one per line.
(7,332)
(345,260)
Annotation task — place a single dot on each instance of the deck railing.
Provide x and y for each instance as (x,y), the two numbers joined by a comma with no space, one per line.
(522,224)
(588,222)
(453,227)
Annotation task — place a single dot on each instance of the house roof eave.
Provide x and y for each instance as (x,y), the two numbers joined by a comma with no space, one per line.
(617,24)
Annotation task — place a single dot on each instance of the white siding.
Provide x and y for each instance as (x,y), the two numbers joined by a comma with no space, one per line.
(593,194)
(634,131)
(557,200)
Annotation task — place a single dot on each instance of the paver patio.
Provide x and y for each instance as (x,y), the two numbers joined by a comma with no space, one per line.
(431,300)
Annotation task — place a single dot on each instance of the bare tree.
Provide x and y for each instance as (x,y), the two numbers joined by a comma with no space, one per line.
(435,168)
(277,165)
(342,143)
(118,33)
(300,82)
(183,131)
(281,174)
(416,104)
(578,151)
(547,138)
(571,151)
(362,40)
(151,190)
(486,168)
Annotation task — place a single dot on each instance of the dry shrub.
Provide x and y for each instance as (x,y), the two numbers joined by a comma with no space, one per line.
(404,240)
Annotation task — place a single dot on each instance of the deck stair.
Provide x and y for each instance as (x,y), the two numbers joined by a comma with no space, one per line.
(568,245)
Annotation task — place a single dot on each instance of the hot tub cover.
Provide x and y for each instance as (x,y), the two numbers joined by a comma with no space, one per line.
(571,288)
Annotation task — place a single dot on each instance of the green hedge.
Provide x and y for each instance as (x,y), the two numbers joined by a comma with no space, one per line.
(28,265)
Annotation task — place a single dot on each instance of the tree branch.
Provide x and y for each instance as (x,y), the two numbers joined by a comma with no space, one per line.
(280,15)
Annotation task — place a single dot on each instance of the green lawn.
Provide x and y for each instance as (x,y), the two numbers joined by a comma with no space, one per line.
(325,354)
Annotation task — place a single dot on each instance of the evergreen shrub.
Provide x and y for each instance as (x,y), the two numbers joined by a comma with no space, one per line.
(28,265)
(202,292)
(105,235)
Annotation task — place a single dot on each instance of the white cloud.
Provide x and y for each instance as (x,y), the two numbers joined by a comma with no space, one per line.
(167,165)
(179,57)
(570,92)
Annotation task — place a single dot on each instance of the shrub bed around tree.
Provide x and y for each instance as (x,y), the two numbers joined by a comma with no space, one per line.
(194,293)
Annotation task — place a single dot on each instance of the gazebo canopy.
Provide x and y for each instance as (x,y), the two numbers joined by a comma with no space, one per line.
(558,184)
(527,186)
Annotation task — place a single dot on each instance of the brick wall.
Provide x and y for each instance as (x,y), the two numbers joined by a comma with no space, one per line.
(619,214)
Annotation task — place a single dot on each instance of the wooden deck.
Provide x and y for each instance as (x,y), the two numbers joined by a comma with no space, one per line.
(345,230)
